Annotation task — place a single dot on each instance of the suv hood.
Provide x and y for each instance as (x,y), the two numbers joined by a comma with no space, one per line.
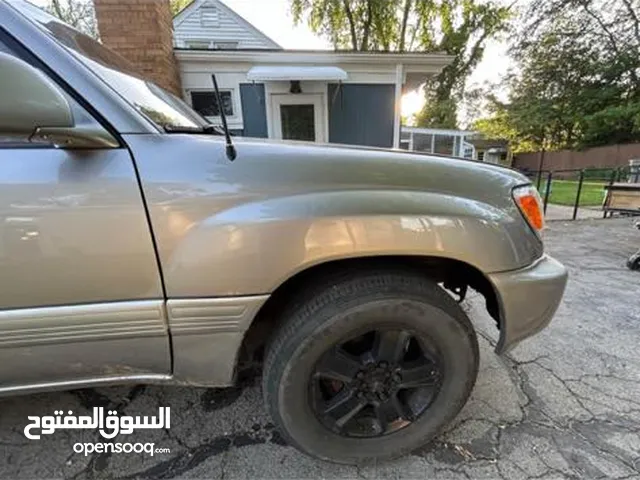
(267,167)
(367,167)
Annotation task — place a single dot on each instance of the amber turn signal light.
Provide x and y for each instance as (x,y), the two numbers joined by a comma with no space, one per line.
(530,204)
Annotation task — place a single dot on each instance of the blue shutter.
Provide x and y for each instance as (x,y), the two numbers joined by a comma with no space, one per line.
(361,114)
(254,111)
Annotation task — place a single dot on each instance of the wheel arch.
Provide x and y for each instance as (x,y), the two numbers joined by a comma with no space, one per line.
(446,271)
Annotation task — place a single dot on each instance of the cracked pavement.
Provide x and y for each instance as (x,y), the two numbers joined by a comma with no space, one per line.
(564,404)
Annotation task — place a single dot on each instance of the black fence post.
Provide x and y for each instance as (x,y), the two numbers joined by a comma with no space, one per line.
(539,179)
(575,207)
(614,173)
(546,194)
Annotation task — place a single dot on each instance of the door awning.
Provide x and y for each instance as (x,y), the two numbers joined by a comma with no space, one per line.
(295,72)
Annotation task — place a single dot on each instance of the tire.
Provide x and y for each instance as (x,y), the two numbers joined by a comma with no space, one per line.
(345,308)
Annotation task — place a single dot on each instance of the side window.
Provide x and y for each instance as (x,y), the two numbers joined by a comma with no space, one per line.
(206,103)
(80,115)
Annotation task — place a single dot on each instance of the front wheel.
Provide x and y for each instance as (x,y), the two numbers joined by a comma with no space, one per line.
(370,367)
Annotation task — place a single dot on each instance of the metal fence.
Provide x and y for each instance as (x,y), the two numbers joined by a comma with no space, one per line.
(577,188)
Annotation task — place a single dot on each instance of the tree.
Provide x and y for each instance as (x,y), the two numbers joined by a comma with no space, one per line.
(459,28)
(178,5)
(77,13)
(576,84)
(80,14)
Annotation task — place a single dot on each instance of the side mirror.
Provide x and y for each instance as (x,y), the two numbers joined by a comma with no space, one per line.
(29,100)
(33,108)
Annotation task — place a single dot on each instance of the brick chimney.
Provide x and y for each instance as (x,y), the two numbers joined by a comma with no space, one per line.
(142,32)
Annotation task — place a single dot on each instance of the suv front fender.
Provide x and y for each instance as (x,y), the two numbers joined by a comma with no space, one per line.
(252,248)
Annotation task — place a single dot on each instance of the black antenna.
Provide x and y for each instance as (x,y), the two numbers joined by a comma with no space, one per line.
(230,149)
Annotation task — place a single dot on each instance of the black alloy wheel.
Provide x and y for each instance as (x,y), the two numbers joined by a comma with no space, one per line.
(376,383)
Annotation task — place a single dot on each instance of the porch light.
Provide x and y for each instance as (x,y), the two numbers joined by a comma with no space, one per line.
(295,87)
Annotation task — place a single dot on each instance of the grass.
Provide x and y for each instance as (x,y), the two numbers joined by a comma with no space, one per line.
(563,192)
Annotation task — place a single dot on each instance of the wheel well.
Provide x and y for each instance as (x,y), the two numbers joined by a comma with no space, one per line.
(450,273)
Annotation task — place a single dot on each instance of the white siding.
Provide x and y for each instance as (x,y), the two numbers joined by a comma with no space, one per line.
(196,75)
(220,25)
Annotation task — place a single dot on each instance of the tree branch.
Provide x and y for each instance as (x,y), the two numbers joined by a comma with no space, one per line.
(636,22)
(413,38)
(55,4)
(612,38)
(474,52)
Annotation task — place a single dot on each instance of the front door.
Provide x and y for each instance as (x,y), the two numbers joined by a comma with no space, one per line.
(299,117)
(80,291)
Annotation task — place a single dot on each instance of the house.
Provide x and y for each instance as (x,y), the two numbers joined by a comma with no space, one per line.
(267,91)
(458,143)
(491,150)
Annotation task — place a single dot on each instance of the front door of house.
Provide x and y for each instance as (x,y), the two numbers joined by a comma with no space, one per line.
(299,117)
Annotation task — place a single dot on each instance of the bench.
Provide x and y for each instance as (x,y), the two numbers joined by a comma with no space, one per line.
(623,198)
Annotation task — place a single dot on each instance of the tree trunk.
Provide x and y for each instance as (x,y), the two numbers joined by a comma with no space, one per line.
(403,27)
(352,25)
(55,4)
(364,46)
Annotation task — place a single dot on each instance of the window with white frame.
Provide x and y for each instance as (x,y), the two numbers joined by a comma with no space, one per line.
(422,142)
(206,104)
(225,45)
(197,44)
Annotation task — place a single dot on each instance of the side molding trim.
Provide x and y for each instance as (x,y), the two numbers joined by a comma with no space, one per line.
(84,383)
(29,327)
(207,334)
(46,346)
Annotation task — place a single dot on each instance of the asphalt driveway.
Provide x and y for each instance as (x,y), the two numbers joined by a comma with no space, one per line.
(564,404)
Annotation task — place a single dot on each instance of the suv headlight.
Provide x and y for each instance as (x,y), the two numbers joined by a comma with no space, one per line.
(530,204)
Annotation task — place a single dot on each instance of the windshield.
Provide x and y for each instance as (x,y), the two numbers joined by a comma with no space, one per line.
(157,104)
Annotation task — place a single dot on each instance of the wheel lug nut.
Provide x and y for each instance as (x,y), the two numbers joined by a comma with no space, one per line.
(397,378)
(360,375)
